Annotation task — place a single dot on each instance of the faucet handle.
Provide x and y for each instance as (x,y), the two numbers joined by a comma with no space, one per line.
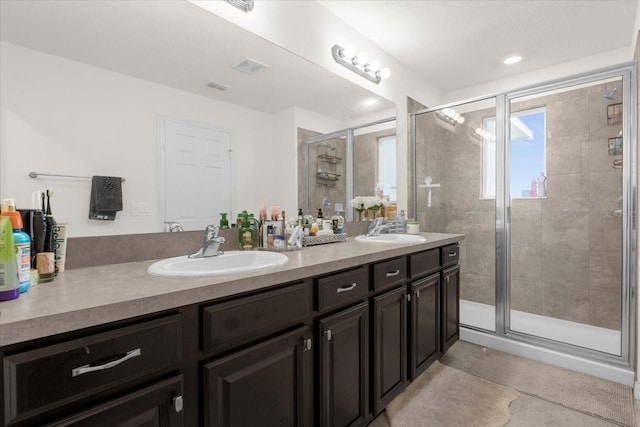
(174,226)
(211,232)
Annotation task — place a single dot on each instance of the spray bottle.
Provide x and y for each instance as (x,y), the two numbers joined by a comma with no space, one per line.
(22,243)
(9,284)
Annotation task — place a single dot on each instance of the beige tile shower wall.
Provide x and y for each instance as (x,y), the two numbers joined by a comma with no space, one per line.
(565,249)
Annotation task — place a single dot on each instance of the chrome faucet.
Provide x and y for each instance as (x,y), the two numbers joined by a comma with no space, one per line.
(377,226)
(174,226)
(211,245)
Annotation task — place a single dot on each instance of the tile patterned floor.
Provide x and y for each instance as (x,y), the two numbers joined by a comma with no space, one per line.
(530,410)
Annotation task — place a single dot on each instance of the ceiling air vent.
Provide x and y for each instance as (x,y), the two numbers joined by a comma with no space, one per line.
(218,86)
(243,5)
(249,66)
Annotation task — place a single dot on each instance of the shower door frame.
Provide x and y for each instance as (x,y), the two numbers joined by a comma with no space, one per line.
(503,211)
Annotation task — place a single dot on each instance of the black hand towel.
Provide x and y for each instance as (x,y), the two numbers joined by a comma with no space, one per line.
(106,197)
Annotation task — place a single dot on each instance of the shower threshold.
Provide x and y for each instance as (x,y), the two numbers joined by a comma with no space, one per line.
(593,337)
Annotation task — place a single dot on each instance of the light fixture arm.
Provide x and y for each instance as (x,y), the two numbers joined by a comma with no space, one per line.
(351,63)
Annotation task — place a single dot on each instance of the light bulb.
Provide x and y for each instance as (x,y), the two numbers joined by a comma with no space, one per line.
(385,73)
(374,65)
(461,120)
(363,58)
(349,51)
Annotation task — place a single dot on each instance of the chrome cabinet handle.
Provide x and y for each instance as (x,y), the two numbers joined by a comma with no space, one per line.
(453,254)
(393,273)
(346,288)
(85,369)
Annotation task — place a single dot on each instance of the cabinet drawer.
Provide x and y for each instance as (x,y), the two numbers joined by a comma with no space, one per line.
(234,323)
(450,255)
(389,273)
(342,288)
(46,378)
(424,263)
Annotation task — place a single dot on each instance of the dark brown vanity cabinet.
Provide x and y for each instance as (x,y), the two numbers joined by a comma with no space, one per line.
(424,324)
(343,341)
(450,328)
(390,346)
(99,378)
(269,384)
(260,371)
(157,405)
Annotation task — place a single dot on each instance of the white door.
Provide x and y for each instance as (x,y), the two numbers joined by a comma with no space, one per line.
(196,169)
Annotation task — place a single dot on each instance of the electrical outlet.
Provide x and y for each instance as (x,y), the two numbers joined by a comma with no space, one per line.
(140,209)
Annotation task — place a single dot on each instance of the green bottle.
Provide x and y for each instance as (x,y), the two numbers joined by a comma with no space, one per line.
(224,222)
(245,233)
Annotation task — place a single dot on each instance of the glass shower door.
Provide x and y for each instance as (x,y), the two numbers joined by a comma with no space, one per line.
(565,196)
(455,167)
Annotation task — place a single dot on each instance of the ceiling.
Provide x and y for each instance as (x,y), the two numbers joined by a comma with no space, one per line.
(457,44)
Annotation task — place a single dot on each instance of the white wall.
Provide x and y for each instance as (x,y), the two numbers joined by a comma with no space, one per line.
(64,117)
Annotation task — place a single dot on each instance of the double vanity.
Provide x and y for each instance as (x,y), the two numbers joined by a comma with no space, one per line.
(327,339)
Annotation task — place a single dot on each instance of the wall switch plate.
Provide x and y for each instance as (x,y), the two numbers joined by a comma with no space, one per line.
(140,209)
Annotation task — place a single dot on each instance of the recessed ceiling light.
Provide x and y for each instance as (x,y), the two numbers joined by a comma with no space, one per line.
(513,60)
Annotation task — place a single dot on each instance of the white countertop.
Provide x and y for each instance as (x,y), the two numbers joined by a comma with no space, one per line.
(92,296)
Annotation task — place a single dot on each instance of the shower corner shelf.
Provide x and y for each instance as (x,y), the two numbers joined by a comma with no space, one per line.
(327,174)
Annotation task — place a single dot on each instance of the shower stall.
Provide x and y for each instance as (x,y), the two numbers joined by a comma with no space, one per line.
(542,182)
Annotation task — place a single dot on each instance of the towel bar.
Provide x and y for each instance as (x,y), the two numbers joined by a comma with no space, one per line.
(33,174)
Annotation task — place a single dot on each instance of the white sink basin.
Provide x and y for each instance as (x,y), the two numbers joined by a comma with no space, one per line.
(231,262)
(392,238)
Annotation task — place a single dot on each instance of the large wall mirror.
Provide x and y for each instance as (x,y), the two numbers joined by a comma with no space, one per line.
(83,84)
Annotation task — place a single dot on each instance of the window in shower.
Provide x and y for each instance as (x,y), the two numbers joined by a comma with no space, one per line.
(387,166)
(527,150)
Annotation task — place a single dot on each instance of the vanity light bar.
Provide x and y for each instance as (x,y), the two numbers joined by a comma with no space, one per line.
(360,63)
(243,5)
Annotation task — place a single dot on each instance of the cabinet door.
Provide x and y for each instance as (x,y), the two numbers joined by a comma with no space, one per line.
(157,405)
(390,346)
(268,384)
(344,368)
(450,307)
(425,324)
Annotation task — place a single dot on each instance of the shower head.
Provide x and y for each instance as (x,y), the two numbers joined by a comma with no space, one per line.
(611,94)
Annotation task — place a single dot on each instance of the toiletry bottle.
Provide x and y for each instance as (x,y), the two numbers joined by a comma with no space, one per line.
(9,283)
(224,222)
(542,185)
(534,188)
(245,233)
(307,220)
(319,219)
(299,219)
(337,220)
(22,243)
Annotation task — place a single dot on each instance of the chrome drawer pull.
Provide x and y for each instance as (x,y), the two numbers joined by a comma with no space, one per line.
(347,288)
(453,254)
(393,273)
(88,368)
